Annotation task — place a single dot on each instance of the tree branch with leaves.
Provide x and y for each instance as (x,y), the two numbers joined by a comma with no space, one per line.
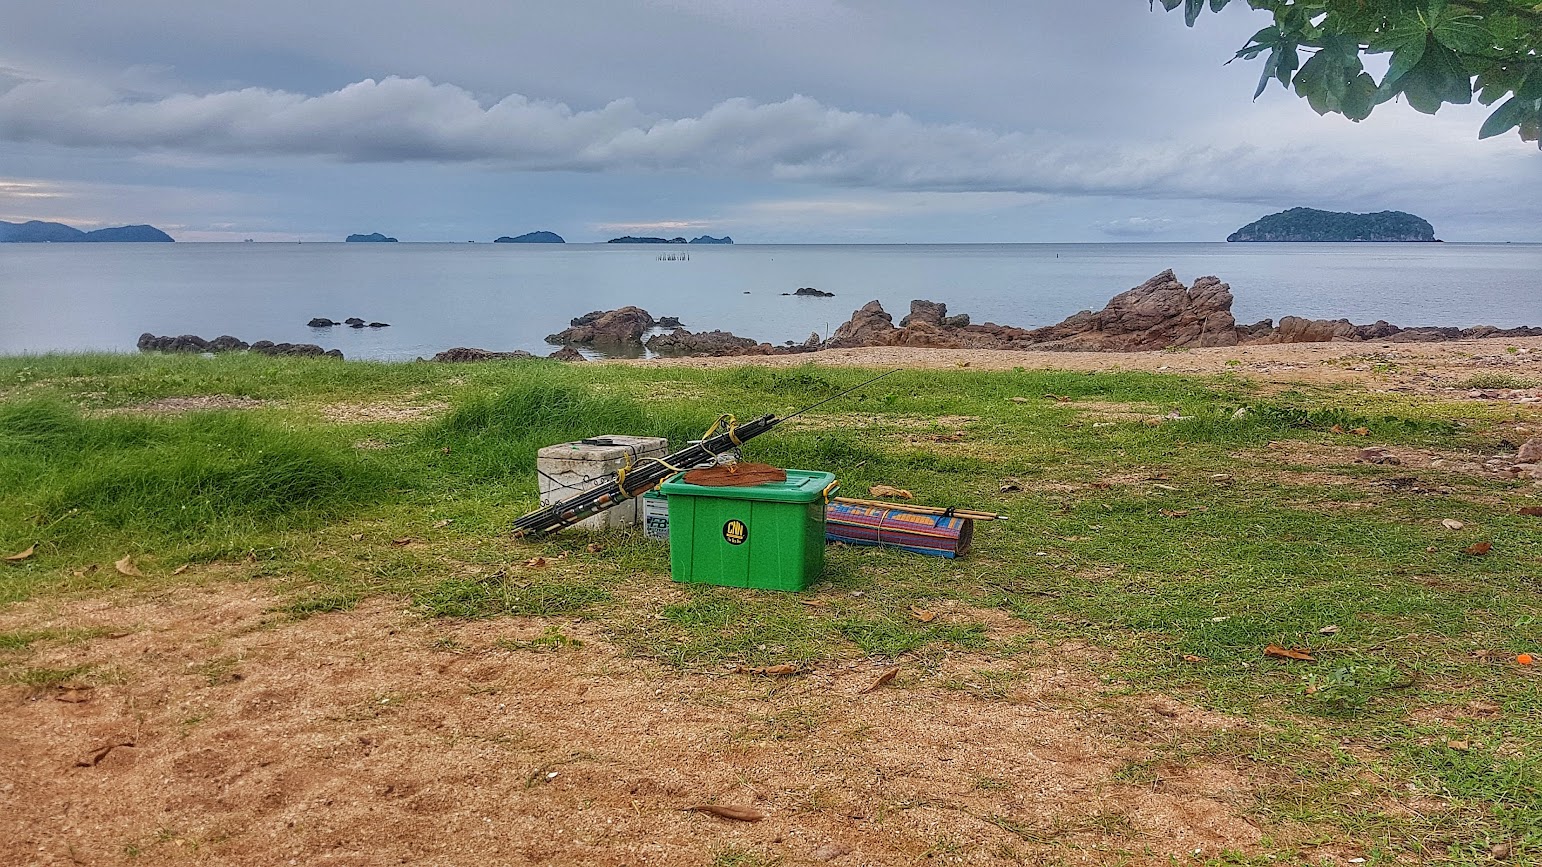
(1441,52)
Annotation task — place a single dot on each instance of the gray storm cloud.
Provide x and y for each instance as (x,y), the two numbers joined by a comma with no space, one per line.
(797,139)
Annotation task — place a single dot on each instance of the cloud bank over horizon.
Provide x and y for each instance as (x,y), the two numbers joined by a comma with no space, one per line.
(742,159)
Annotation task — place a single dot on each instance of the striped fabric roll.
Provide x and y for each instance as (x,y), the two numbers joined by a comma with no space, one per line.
(933,535)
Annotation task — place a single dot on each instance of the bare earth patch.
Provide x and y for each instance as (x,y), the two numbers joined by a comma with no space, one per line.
(201,403)
(358,413)
(208,731)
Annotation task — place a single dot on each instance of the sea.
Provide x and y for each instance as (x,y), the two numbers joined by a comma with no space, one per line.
(101,297)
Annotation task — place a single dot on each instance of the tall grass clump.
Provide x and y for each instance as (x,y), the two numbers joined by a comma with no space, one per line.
(496,436)
(79,481)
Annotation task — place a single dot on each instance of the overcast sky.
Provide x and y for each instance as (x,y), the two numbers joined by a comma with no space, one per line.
(770,120)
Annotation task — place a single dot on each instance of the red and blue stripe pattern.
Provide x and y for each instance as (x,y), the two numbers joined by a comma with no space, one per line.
(932,535)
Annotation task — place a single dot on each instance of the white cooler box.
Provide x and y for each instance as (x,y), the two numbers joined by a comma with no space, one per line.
(570,468)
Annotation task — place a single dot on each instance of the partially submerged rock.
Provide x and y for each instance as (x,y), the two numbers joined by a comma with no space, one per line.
(682,342)
(568,353)
(811,292)
(225,343)
(471,353)
(620,326)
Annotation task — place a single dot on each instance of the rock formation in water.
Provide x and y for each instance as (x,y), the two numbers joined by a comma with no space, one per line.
(630,239)
(532,238)
(1307,224)
(225,343)
(625,325)
(37,231)
(371,238)
(708,239)
(810,292)
(471,353)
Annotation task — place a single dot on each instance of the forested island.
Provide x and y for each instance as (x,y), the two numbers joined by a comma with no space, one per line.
(532,238)
(371,238)
(703,239)
(39,232)
(1307,224)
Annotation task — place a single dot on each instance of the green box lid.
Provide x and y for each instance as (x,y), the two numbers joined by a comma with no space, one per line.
(802,486)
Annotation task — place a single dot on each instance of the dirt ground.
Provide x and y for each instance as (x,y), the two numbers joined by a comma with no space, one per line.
(211,730)
(1404,366)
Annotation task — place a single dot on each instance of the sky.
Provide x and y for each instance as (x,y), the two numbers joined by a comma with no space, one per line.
(774,121)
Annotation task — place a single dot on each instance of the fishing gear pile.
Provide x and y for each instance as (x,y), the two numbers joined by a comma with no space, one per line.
(648,473)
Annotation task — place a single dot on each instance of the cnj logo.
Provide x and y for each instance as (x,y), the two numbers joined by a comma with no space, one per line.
(735,532)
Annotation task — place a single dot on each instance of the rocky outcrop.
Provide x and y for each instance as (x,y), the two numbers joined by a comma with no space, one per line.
(622,326)
(470,353)
(225,343)
(682,342)
(811,292)
(669,322)
(708,239)
(869,326)
(567,353)
(321,322)
(1158,314)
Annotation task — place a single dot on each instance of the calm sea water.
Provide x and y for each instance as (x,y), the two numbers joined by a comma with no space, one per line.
(71,297)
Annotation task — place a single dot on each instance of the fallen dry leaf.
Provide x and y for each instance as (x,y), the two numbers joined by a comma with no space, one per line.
(594,548)
(814,603)
(1057,398)
(922,614)
(1361,431)
(1479,549)
(1481,654)
(357,537)
(126,567)
(782,670)
(724,811)
(1011,485)
(1532,511)
(1459,746)
(22,555)
(441,524)
(74,694)
(1288,653)
(1451,524)
(1483,708)
(96,756)
(1501,851)
(890,491)
(1192,658)
(405,540)
(1336,429)
(180,569)
(884,678)
(535,563)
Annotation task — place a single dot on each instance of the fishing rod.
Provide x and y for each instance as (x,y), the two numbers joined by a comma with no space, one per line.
(725,434)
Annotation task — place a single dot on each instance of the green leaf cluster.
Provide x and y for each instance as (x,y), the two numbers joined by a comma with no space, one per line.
(1440,52)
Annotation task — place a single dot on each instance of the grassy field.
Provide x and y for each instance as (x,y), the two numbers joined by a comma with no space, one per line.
(1177,526)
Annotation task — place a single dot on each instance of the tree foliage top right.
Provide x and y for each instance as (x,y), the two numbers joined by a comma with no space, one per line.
(1442,51)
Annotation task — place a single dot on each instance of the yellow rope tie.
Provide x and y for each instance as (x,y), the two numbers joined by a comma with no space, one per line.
(622,473)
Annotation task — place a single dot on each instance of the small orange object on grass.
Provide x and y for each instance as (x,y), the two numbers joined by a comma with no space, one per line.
(1524,659)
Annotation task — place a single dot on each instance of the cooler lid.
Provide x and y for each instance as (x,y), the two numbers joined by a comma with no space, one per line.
(802,486)
(611,447)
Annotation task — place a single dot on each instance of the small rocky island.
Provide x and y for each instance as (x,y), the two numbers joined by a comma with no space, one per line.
(40,232)
(702,239)
(708,239)
(1309,225)
(532,238)
(371,238)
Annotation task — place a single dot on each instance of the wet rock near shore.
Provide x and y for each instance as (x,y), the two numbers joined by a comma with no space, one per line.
(351,322)
(471,353)
(623,325)
(683,342)
(567,353)
(192,343)
(810,292)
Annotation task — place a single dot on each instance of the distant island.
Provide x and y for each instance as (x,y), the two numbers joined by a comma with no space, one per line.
(532,238)
(1306,224)
(39,232)
(371,238)
(704,239)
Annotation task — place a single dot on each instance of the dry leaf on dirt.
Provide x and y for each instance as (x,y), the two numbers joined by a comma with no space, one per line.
(1336,429)
(814,603)
(22,555)
(890,491)
(535,563)
(922,614)
(884,678)
(1288,653)
(1481,654)
(1361,431)
(126,567)
(1459,746)
(1532,511)
(1483,708)
(1057,398)
(180,569)
(1011,485)
(1451,524)
(1479,549)
(594,548)
(74,694)
(1328,630)
(405,540)
(783,670)
(738,814)
(100,753)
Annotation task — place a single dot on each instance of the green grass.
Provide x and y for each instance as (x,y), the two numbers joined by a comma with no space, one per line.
(1123,538)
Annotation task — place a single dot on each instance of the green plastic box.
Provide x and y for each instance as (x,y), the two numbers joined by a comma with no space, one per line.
(769,536)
